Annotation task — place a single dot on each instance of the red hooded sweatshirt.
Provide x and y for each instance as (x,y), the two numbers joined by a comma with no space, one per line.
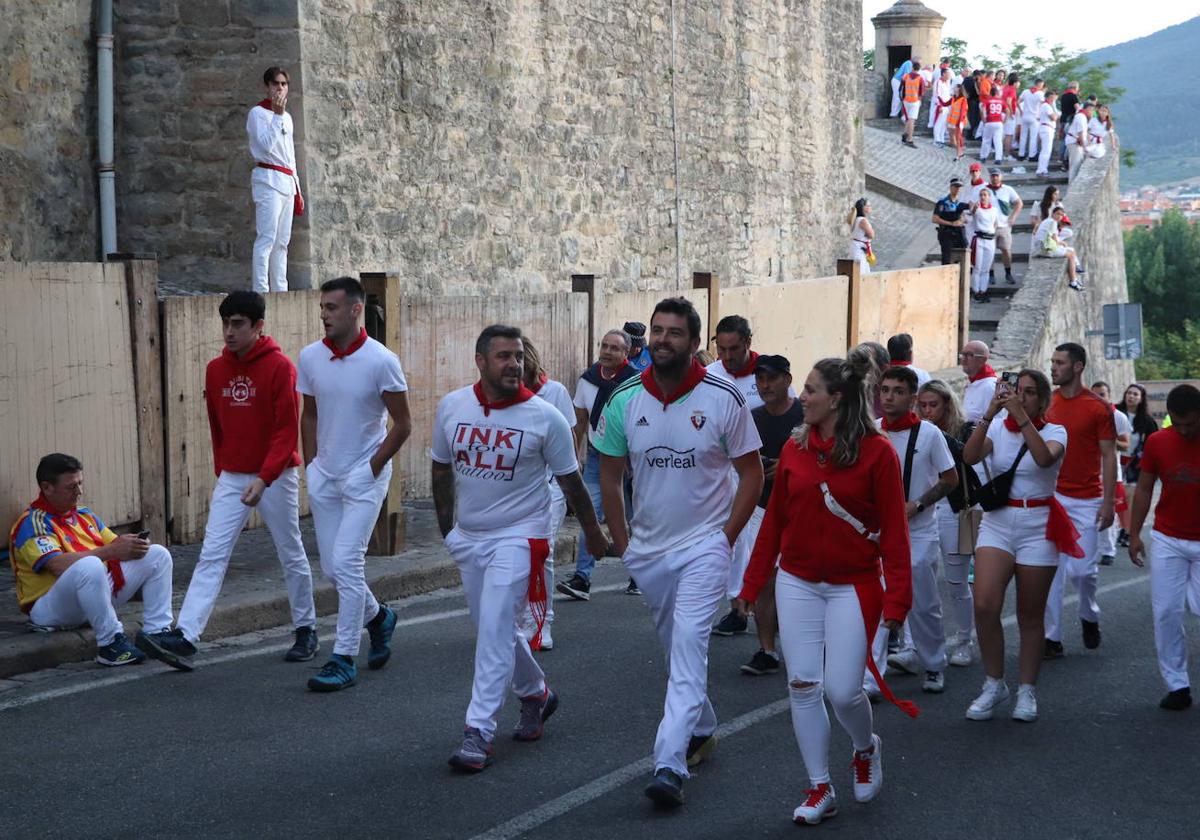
(253,411)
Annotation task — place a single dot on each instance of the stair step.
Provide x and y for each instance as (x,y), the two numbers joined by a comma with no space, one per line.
(1017,257)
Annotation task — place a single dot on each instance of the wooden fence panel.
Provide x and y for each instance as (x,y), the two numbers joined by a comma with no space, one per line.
(67,385)
(921,301)
(437,339)
(804,320)
(191,337)
(614,309)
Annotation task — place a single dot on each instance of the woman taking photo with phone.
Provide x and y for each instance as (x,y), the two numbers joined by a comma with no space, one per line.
(836,513)
(1021,538)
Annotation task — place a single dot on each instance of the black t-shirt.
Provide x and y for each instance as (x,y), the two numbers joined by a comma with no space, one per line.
(775,431)
(970,86)
(1070,104)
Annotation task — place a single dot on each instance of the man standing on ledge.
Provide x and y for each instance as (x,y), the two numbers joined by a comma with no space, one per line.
(273,183)
(351,384)
(682,429)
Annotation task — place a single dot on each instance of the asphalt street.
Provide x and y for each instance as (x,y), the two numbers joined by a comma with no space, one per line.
(239,748)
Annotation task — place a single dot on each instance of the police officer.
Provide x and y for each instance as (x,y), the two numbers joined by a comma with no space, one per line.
(948,215)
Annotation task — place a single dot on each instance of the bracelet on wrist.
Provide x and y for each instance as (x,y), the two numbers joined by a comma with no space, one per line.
(1023,425)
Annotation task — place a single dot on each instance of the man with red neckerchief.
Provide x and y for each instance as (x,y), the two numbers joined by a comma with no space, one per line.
(493,444)
(273,183)
(681,429)
(981,380)
(735,364)
(928,474)
(351,384)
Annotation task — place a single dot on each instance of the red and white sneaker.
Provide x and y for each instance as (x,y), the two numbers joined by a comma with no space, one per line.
(819,803)
(868,771)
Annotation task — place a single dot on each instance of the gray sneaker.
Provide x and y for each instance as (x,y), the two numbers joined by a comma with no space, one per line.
(534,713)
(474,754)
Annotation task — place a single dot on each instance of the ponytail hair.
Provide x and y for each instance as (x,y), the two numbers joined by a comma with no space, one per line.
(849,378)
(857,211)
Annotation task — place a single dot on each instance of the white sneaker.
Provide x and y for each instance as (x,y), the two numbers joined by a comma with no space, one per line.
(547,639)
(964,655)
(935,682)
(868,771)
(906,661)
(1025,709)
(820,802)
(984,706)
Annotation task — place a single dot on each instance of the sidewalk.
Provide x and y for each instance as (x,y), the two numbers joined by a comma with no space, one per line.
(253,597)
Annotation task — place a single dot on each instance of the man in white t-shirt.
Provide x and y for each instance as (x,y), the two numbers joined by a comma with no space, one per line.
(274,185)
(591,393)
(1010,206)
(681,429)
(981,380)
(1047,120)
(900,353)
(939,106)
(1078,138)
(493,445)
(351,385)
(1028,104)
(929,474)
(1108,538)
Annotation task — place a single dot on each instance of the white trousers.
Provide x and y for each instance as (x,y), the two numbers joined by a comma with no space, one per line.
(1174,583)
(1083,571)
(895,98)
(83,593)
(1028,146)
(1108,539)
(1045,147)
(985,255)
(683,590)
(940,124)
(824,644)
(279,507)
(495,576)
(741,552)
(1075,155)
(923,629)
(273,222)
(962,600)
(993,141)
(344,510)
(933,104)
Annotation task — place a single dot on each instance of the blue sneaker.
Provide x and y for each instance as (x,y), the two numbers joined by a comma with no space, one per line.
(338,673)
(380,629)
(119,652)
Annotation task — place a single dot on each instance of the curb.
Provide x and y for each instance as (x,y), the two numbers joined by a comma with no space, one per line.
(235,615)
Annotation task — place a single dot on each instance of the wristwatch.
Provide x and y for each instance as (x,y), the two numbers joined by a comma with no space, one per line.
(920,507)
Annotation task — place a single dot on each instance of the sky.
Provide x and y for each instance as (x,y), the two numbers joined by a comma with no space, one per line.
(1067,22)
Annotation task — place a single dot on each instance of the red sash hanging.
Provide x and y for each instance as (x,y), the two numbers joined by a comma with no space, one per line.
(870,600)
(297,199)
(1060,530)
(539,550)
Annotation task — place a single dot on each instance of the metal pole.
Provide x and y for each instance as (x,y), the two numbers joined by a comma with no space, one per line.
(105,168)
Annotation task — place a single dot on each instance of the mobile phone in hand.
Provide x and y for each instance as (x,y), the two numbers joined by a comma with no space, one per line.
(1009,378)
(144,535)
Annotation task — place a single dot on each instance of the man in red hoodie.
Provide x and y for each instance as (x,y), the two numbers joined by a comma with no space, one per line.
(253,414)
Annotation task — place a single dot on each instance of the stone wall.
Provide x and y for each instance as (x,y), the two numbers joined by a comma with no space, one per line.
(1045,312)
(47,133)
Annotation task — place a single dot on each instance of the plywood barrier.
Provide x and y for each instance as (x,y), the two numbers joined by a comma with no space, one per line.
(437,338)
(67,384)
(191,329)
(804,320)
(921,301)
(613,310)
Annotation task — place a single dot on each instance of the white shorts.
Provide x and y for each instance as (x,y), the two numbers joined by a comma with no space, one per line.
(1010,127)
(1020,532)
(911,109)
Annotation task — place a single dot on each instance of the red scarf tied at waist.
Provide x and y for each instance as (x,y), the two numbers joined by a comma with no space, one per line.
(1060,530)
(539,598)
(870,601)
(298,200)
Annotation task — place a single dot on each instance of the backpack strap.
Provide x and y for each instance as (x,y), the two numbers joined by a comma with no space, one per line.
(908,458)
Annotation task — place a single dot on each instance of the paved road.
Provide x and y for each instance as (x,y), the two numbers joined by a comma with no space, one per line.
(239,749)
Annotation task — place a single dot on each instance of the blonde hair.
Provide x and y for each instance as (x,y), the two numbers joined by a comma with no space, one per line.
(847,377)
(533,363)
(953,418)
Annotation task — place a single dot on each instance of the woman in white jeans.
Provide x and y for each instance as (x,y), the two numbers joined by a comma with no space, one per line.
(985,216)
(1021,539)
(836,511)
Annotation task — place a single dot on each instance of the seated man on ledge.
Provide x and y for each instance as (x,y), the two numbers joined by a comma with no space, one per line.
(70,569)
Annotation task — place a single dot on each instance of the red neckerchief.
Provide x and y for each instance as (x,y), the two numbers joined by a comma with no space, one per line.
(1011,424)
(695,373)
(522,395)
(43,504)
(984,372)
(818,445)
(746,369)
(977,183)
(897,362)
(903,424)
(541,380)
(603,375)
(354,345)
(266,103)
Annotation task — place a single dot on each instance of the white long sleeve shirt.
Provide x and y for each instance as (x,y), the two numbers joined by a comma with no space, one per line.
(271,141)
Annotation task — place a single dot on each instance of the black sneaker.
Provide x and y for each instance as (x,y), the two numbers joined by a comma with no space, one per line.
(1091,634)
(760,664)
(1107,560)
(633,588)
(306,645)
(700,748)
(1123,539)
(167,646)
(666,788)
(1009,279)
(1053,650)
(578,587)
(732,623)
(1177,700)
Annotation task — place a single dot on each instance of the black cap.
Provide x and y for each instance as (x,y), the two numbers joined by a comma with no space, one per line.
(636,331)
(994,171)
(773,364)
(956,181)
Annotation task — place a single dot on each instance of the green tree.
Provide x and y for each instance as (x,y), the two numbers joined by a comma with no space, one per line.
(1168,355)
(1057,65)
(954,50)
(869,59)
(1161,265)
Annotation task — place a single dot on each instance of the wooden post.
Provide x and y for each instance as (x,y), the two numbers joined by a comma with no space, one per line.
(383,325)
(586,283)
(851,270)
(710,281)
(141,289)
(962,256)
